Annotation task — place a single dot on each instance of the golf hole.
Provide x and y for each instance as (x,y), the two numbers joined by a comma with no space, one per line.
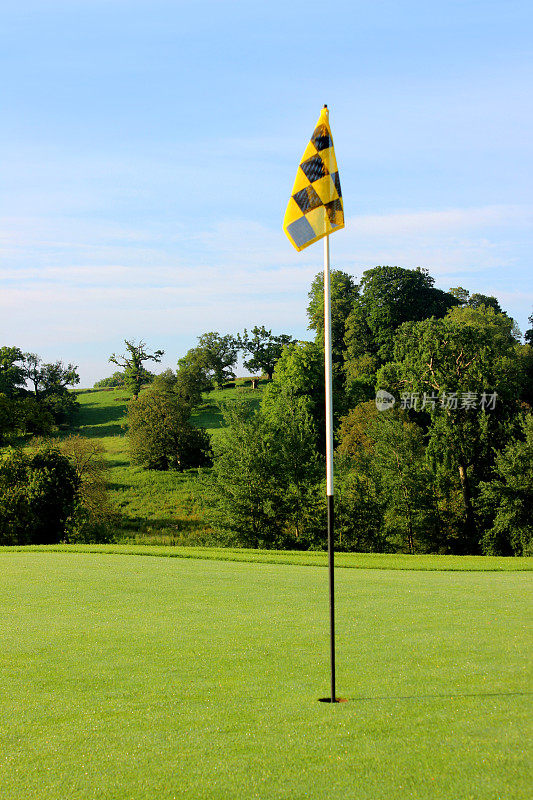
(329,700)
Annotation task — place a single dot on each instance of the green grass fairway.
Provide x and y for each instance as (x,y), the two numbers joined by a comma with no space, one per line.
(127,678)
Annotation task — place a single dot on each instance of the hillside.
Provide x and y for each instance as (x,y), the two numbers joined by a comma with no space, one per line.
(154,507)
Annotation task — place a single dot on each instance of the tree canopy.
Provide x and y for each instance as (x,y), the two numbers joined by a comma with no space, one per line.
(161,436)
(49,379)
(528,336)
(12,379)
(475,300)
(213,358)
(456,369)
(344,293)
(132,362)
(389,297)
(263,348)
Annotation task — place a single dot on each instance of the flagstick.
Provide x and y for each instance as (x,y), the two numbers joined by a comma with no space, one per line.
(329,457)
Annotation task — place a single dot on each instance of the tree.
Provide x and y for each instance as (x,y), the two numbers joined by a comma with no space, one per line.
(389,297)
(384,452)
(8,418)
(507,498)
(37,416)
(293,437)
(132,363)
(359,511)
(475,300)
(411,515)
(216,355)
(190,384)
(246,492)
(194,373)
(49,379)
(165,382)
(186,384)
(460,294)
(263,348)
(38,496)
(356,437)
(50,387)
(528,336)
(344,293)
(527,359)
(161,436)
(49,401)
(12,378)
(265,474)
(299,372)
(457,367)
(489,301)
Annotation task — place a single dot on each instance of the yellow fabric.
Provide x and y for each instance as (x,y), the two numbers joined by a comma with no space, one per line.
(315,208)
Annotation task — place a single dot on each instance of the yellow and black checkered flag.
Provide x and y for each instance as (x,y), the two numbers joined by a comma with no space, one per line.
(315,208)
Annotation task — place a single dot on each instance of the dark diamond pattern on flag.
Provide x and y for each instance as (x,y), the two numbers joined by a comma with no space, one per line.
(307,199)
(334,212)
(321,138)
(314,168)
(336,180)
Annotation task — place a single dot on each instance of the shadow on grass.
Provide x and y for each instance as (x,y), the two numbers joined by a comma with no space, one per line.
(104,420)
(451,696)
(100,431)
(117,462)
(209,417)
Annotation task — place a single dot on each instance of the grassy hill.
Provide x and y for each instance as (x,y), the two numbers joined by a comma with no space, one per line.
(155,507)
(129,677)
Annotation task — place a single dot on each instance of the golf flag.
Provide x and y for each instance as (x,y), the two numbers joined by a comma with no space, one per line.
(315,208)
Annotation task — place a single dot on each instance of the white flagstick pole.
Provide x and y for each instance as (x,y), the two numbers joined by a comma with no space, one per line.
(329,457)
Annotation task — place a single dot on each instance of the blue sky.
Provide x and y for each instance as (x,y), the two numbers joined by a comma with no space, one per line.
(148,151)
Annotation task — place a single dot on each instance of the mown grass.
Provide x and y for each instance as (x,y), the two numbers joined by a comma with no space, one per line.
(390,561)
(154,507)
(175,678)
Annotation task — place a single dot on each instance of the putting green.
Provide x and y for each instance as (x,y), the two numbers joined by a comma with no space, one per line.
(131,678)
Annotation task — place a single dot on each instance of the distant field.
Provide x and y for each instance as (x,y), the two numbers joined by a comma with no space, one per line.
(140,678)
(165,507)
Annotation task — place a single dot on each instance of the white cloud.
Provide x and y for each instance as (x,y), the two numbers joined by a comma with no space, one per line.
(82,283)
(454,220)
(447,242)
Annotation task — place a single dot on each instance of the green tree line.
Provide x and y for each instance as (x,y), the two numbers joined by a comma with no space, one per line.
(433,396)
(418,475)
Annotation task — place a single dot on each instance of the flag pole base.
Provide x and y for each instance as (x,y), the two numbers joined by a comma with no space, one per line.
(329,700)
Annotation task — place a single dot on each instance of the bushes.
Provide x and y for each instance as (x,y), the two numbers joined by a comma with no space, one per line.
(116,380)
(23,415)
(93,514)
(56,492)
(8,418)
(38,497)
(265,476)
(161,436)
